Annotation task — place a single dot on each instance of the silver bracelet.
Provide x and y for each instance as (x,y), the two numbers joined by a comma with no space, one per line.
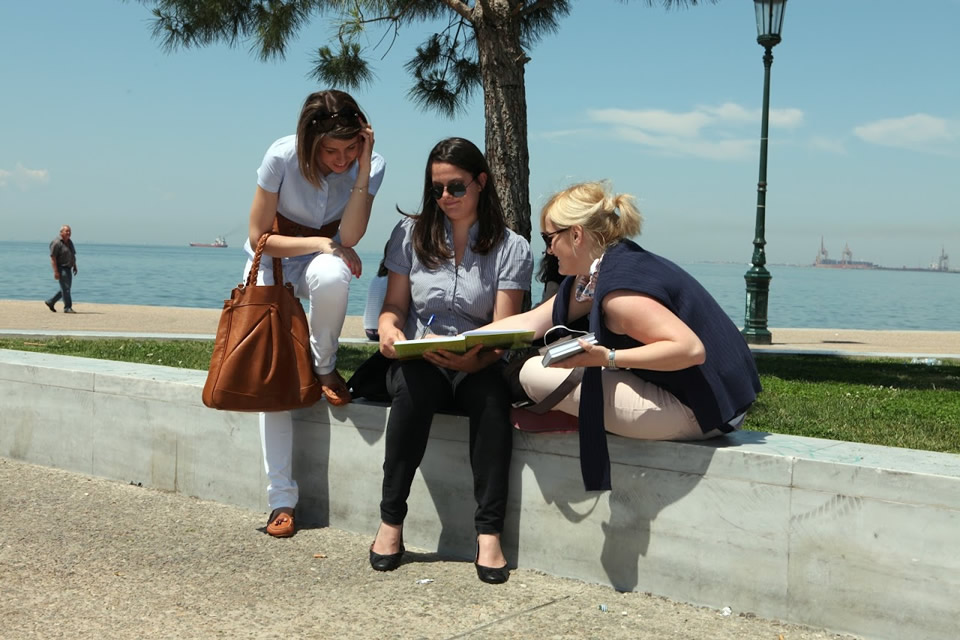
(359,188)
(612,360)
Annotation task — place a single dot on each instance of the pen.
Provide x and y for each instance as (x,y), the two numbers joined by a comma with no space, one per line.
(426,326)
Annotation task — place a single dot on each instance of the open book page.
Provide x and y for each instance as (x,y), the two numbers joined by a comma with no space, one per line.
(512,339)
(416,348)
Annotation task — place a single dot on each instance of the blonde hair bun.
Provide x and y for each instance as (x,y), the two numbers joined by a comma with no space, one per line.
(588,204)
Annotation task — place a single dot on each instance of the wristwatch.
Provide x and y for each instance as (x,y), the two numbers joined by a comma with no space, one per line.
(612,359)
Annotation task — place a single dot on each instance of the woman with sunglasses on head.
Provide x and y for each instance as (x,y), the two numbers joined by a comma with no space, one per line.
(315,189)
(453,267)
(669,364)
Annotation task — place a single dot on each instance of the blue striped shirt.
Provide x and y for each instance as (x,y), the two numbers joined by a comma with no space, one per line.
(460,297)
(302,202)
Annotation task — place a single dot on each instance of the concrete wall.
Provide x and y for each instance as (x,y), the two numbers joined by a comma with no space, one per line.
(849,537)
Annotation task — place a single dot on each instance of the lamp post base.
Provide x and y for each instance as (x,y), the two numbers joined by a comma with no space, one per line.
(758,290)
(757,336)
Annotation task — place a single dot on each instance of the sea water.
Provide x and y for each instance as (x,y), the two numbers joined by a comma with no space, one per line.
(802,297)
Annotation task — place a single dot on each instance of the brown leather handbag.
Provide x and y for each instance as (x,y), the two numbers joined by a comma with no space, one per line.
(261,359)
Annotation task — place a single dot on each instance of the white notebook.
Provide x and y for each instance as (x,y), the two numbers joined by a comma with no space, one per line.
(566,348)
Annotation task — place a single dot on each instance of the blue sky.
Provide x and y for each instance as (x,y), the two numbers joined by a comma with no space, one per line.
(100,129)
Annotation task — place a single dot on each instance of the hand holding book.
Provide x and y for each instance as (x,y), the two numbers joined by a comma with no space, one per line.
(565,348)
(512,339)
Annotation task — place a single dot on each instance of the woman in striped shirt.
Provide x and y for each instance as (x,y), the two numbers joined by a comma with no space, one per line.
(453,267)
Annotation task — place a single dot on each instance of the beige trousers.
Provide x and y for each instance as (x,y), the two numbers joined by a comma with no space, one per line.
(632,407)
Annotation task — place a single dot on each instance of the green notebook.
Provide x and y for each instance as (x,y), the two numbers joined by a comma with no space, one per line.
(416,348)
(512,339)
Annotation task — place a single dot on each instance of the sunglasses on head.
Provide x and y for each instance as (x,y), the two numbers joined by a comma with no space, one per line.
(548,237)
(347,116)
(456,189)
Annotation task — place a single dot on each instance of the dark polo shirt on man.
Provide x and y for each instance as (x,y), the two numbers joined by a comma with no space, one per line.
(64,253)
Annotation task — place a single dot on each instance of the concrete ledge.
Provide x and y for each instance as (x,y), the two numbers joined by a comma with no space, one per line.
(849,537)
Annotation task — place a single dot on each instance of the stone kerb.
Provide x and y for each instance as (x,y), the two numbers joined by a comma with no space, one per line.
(848,537)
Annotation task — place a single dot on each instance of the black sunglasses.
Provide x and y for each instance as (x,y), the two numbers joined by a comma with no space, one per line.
(456,188)
(548,237)
(347,116)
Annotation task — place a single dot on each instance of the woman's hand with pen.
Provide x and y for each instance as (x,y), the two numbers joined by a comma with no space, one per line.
(426,327)
(390,328)
(389,335)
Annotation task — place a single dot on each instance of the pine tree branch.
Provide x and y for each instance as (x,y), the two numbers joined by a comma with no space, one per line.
(460,8)
(530,8)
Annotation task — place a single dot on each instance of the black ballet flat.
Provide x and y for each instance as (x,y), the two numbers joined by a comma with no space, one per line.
(387,562)
(491,575)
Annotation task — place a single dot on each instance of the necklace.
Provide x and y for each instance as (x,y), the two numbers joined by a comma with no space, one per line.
(587,284)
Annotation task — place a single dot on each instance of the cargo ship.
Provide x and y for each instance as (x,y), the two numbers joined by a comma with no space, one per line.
(219,243)
(846,261)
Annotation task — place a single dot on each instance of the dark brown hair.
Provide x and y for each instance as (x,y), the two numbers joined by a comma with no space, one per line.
(329,113)
(429,234)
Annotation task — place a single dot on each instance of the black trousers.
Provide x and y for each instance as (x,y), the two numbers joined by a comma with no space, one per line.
(419,389)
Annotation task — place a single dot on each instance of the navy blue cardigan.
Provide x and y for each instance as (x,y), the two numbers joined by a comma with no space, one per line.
(717,391)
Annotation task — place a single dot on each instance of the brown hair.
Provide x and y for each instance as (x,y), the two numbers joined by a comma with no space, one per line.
(429,234)
(325,113)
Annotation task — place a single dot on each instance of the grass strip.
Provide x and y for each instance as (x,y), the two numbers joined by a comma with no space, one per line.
(875,401)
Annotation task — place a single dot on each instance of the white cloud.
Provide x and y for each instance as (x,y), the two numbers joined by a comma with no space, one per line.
(786,118)
(691,122)
(680,124)
(917,132)
(23,178)
(730,112)
(722,132)
(566,133)
(727,149)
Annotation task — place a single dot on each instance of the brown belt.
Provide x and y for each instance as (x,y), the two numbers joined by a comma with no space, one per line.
(287,227)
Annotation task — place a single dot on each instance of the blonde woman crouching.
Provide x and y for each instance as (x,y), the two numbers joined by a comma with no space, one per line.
(669,364)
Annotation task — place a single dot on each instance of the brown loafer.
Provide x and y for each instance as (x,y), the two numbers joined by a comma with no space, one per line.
(336,393)
(280,524)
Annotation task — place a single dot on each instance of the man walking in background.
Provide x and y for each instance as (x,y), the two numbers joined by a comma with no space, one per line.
(63,257)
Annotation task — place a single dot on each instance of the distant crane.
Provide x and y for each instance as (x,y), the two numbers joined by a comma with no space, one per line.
(943,262)
(822,255)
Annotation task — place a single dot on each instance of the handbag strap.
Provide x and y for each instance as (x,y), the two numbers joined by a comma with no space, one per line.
(285,227)
(255,267)
(562,391)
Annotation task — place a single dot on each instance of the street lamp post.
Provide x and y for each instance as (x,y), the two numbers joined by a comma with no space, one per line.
(769,24)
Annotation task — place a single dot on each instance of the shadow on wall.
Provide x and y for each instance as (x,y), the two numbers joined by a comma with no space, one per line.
(604,533)
(312,463)
(647,478)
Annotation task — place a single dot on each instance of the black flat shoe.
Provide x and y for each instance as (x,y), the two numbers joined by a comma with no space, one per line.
(387,562)
(491,575)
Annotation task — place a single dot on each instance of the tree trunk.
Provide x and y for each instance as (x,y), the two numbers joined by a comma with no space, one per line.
(502,62)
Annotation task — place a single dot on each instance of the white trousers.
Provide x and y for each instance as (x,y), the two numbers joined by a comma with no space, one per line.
(325,282)
(632,407)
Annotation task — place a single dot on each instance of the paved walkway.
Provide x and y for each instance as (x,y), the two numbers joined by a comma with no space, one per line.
(33,318)
(83,557)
